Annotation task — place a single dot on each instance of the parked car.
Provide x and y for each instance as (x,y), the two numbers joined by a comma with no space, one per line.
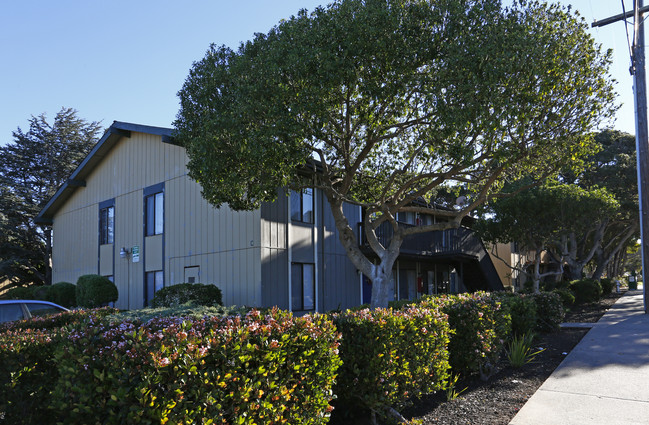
(26,309)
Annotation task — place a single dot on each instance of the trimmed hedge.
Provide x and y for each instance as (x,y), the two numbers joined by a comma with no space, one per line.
(566,295)
(550,311)
(253,369)
(175,295)
(390,356)
(62,293)
(480,327)
(586,290)
(95,291)
(607,286)
(522,308)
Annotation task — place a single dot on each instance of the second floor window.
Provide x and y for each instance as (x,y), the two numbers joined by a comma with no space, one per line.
(154,214)
(107,225)
(302,205)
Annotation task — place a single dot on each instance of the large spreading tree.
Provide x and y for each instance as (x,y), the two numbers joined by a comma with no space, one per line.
(32,168)
(382,102)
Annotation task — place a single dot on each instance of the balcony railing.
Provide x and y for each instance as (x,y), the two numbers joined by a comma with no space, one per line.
(452,241)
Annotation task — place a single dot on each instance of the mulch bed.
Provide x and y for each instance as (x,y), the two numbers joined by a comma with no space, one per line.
(497,401)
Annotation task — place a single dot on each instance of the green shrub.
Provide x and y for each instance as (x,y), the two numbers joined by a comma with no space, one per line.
(26,293)
(390,356)
(480,327)
(586,290)
(251,369)
(94,291)
(607,286)
(549,310)
(566,295)
(188,310)
(182,293)
(522,309)
(62,293)
(28,372)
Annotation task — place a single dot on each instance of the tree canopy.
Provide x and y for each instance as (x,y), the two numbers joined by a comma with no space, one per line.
(382,102)
(32,168)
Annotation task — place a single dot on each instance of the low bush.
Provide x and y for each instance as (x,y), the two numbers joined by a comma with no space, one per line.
(95,291)
(175,295)
(549,311)
(566,295)
(607,286)
(62,293)
(480,327)
(390,356)
(522,309)
(586,290)
(21,293)
(28,372)
(251,369)
(188,310)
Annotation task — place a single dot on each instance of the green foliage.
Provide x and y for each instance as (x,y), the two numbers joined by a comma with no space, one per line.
(451,388)
(607,286)
(519,350)
(523,310)
(62,293)
(480,327)
(175,295)
(586,290)
(32,168)
(566,295)
(252,369)
(94,291)
(20,293)
(189,310)
(28,372)
(549,311)
(397,101)
(390,356)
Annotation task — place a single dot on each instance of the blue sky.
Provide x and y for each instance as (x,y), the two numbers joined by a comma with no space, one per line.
(126,60)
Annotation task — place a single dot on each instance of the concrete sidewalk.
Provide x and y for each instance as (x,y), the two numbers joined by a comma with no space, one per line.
(605,378)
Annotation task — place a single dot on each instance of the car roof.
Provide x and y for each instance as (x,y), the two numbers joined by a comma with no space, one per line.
(31,301)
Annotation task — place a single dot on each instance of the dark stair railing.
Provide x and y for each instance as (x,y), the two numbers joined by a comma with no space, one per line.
(457,242)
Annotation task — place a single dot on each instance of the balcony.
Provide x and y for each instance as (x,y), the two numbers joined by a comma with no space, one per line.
(452,242)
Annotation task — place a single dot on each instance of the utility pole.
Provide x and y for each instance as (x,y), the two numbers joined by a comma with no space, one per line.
(642,147)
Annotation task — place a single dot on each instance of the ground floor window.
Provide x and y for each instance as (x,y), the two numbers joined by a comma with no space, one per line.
(154,282)
(302,286)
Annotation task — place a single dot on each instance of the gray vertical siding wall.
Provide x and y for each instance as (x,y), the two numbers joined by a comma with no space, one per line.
(341,286)
(338,281)
(274,252)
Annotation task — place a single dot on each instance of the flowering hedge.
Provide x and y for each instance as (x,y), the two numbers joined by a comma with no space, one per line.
(236,370)
(480,327)
(389,356)
(27,373)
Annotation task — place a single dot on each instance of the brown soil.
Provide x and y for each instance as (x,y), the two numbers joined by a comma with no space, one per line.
(499,399)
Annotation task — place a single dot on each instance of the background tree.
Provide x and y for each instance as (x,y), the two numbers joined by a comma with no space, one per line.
(613,167)
(32,168)
(546,219)
(394,100)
